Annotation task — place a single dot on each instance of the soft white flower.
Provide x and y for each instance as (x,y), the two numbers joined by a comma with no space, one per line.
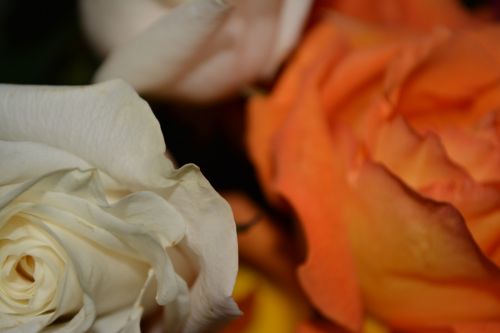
(96,225)
(200,50)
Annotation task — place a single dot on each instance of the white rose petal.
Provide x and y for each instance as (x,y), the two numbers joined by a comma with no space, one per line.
(107,125)
(200,50)
(93,216)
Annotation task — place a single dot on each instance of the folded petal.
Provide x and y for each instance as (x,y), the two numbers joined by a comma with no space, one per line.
(112,23)
(18,159)
(157,60)
(428,269)
(77,121)
(292,19)
(266,114)
(304,152)
(432,88)
(211,235)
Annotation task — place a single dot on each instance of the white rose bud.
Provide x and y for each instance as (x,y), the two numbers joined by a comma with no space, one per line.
(96,225)
(199,50)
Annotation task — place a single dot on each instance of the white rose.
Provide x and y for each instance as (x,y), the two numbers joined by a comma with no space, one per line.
(97,225)
(200,50)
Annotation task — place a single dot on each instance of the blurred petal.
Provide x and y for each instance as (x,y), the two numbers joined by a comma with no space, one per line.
(304,152)
(416,242)
(267,114)
(376,247)
(226,43)
(468,52)
(150,63)
(486,327)
(291,21)
(112,23)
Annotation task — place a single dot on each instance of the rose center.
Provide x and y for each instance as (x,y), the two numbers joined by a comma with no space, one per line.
(25,267)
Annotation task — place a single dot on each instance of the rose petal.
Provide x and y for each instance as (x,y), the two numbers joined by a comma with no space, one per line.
(226,49)
(291,21)
(477,150)
(433,100)
(124,241)
(82,321)
(18,159)
(339,298)
(237,54)
(304,152)
(122,321)
(152,68)
(68,295)
(33,326)
(211,234)
(77,120)
(486,327)
(112,23)
(420,161)
(413,275)
(427,263)
(267,114)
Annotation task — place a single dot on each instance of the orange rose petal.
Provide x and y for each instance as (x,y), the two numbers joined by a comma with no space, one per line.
(418,161)
(443,114)
(426,261)
(320,326)
(454,75)
(415,259)
(367,50)
(368,80)
(484,108)
(417,262)
(486,232)
(356,71)
(472,135)
(421,162)
(475,151)
(486,327)
(480,206)
(266,114)
(304,177)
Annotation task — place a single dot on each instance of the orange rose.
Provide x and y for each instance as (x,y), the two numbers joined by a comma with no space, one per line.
(386,145)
